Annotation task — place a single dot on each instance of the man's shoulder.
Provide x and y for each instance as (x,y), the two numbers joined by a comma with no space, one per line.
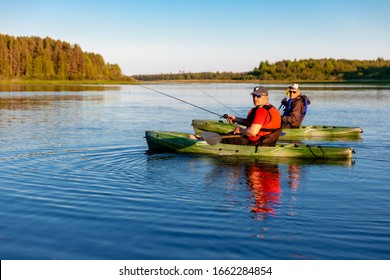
(268,107)
(299,100)
(261,110)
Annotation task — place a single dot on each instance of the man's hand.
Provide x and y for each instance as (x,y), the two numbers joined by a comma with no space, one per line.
(230,118)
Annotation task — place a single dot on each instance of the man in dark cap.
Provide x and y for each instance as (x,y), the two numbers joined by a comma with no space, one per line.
(263,123)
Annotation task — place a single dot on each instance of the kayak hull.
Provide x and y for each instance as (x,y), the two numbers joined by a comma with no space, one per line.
(314,132)
(181,143)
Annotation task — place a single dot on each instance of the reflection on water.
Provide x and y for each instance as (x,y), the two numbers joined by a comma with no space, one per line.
(294,176)
(264,182)
(264,179)
(55,88)
(286,161)
(29,102)
(73,168)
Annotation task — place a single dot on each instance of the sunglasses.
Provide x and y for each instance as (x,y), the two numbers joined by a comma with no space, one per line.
(258,95)
(292,91)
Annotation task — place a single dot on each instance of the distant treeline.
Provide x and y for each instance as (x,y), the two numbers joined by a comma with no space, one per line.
(192,76)
(296,70)
(323,70)
(35,58)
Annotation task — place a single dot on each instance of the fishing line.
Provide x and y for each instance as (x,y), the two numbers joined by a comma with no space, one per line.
(181,100)
(237,114)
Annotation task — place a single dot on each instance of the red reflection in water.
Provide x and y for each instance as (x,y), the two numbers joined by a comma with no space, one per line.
(264,182)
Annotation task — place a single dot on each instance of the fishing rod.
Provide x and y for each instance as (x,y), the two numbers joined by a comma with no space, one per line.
(181,100)
(281,104)
(237,114)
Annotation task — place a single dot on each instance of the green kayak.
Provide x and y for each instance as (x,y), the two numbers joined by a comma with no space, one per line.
(180,142)
(314,132)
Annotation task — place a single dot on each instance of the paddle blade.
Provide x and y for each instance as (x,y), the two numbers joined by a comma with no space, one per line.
(211,138)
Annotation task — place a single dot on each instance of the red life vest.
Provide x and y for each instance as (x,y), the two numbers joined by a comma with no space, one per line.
(271,124)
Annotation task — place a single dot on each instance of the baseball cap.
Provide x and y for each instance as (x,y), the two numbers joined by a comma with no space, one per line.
(260,90)
(293,86)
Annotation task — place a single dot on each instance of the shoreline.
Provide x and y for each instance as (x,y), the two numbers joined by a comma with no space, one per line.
(64,82)
(104,82)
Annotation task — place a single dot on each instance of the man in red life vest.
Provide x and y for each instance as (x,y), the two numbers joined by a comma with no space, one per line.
(263,123)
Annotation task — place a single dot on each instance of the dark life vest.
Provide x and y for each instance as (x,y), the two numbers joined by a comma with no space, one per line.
(289,105)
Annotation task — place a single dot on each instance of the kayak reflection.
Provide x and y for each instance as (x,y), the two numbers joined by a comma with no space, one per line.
(255,185)
(266,179)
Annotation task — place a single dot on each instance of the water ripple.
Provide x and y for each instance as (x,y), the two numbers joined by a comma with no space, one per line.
(76,182)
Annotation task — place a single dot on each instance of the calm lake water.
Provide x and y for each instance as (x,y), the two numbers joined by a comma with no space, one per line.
(77,182)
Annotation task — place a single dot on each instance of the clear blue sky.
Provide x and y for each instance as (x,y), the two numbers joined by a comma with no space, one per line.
(156,36)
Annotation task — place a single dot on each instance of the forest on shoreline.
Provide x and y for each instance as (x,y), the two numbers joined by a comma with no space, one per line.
(305,70)
(38,60)
(35,58)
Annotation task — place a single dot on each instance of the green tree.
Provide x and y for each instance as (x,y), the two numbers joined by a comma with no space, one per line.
(37,58)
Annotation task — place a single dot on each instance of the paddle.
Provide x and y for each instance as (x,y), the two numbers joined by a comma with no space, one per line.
(213,138)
